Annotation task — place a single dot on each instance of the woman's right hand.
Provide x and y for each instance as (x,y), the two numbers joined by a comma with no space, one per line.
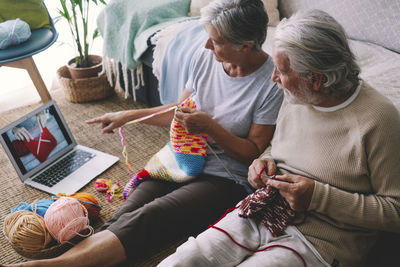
(255,179)
(110,121)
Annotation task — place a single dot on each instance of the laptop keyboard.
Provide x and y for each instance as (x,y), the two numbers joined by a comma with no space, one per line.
(63,168)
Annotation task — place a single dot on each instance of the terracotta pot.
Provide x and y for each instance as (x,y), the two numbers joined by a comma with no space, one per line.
(81,73)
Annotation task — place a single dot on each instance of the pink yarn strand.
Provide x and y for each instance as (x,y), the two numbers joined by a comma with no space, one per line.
(125,153)
(121,133)
(150,116)
(12,31)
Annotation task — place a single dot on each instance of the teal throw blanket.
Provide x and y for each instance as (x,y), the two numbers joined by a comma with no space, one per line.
(126,25)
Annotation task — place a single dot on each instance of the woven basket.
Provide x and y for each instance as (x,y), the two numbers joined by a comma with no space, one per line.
(84,90)
(55,249)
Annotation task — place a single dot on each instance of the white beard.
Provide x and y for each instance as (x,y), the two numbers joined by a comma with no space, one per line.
(303,96)
(292,99)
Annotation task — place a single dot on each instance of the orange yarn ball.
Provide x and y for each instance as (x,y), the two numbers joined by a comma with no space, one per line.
(87,200)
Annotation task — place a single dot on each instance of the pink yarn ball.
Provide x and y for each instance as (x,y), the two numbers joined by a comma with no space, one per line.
(65,218)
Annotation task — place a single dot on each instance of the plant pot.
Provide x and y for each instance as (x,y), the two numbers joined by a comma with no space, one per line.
(80,73)
(84,90)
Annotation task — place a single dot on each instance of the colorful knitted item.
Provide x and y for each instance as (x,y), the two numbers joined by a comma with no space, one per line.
(180,160)
(269,207)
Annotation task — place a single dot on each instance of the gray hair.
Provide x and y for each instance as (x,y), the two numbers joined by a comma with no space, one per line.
(238,21)
(313,41)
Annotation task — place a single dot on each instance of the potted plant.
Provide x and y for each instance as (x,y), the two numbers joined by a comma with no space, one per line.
(79,78)
(76,13)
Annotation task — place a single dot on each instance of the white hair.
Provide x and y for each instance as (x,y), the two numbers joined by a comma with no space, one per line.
(315,42)
(237,21)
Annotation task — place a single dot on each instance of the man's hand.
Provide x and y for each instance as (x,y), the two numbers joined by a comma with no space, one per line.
(296,189)
(194,121)
(255,179)
(22,134)
(109,121)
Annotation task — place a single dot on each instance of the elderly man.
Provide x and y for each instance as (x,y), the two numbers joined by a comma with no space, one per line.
(336,150)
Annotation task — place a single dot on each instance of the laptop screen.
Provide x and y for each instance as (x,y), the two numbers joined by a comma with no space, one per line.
(37,139)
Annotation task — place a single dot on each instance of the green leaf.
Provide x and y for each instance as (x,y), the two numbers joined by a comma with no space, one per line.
(65,13)
(76,12)
(95,34)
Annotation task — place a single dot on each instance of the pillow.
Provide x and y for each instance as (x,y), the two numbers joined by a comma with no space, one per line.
(31,11)
(368,20)
(270,5)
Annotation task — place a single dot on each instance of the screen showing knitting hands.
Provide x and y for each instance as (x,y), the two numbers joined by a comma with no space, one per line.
(36,139)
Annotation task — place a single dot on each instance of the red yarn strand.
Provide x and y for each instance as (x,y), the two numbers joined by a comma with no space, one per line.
(249,249)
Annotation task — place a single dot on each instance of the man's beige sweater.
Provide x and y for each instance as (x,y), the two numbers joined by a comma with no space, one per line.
(353,154)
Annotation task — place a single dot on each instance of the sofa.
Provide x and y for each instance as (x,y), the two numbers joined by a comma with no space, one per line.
(373,29)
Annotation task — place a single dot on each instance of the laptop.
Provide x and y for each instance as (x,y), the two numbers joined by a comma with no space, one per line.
(46,156)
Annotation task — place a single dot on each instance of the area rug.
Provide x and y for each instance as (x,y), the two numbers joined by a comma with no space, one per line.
(142,142)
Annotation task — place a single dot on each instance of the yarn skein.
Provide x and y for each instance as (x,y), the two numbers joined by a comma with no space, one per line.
(87,200)
(65,218)
(26,230)
(39,207)
(102,185)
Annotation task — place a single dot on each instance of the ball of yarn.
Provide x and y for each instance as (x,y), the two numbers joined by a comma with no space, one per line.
(26,230)
(89,201)
(39,207)
(102,185)
(65,218)
(13,32)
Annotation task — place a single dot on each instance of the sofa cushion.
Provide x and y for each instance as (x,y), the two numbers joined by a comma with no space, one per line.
(380,68)
(31,11)
(365,20)
(270,5)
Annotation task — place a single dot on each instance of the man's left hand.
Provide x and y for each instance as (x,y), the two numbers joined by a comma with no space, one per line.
(296,189)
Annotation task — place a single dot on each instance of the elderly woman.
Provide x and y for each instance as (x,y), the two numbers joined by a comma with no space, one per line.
(237,105)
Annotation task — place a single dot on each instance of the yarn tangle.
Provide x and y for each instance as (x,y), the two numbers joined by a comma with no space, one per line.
(26,230)
(180,160)
(102,185)
(66,218)
(114,191)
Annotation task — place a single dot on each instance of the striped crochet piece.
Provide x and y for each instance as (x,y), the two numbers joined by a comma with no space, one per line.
(269,207)
(180,160)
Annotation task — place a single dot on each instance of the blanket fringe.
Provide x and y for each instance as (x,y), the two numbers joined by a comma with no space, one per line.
(110,68)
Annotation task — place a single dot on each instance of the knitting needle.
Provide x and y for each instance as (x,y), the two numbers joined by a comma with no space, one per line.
(267,176)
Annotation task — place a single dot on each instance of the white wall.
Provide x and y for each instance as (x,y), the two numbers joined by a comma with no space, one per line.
(17,89)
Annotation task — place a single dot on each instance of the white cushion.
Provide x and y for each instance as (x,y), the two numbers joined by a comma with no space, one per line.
(270,5)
